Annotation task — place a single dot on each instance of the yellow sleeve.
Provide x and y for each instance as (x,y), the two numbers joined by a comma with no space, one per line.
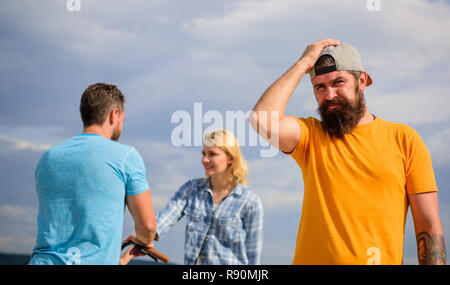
(300,151)
(420,176)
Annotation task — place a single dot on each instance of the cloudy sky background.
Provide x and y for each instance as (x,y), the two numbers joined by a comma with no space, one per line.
(167,55)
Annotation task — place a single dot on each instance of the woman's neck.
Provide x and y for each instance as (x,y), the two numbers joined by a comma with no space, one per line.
(221,183)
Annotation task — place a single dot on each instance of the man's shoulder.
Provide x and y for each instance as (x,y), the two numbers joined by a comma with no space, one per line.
(108,145)
(397,127)
(308,120)
(114,145)
(90,146)
(311,123)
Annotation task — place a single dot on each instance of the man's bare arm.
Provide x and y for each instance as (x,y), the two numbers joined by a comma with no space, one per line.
(268,118)
(429,233)
(431,248)
(141,209)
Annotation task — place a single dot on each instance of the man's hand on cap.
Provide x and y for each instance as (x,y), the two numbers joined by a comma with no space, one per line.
(312,52)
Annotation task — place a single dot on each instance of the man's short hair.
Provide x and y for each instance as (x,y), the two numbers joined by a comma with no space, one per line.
(327,60)
(97,101)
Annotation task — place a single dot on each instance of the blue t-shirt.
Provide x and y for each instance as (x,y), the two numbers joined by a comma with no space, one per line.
(81,185)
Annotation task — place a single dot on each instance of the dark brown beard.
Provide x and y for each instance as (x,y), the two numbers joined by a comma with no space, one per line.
(116,134)
(344,118)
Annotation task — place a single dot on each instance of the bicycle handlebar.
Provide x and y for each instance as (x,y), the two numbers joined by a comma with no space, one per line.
(153,253)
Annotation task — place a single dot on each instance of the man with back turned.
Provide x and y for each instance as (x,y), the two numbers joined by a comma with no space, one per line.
(83,185)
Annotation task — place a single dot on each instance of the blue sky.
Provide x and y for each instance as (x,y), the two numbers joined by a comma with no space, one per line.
(167,55)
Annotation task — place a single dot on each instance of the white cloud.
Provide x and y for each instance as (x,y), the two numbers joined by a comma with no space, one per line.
(224,80)
(18,213)
(417,106)
(404,29)
(438,145)
(280,252)
(278,181)
(6,242)
(411,30)
(11,211)
(238,23)
(17,228)
(100,31)
(8,144)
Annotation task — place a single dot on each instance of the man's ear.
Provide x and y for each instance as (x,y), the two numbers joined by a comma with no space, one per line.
(363,81)
(113,116)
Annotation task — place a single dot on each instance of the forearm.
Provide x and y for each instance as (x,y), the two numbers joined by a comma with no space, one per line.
(174,210)
(274,100)
(431,248)
(165,221)
(171,214)
(145,234)
(141,209)
(428,228)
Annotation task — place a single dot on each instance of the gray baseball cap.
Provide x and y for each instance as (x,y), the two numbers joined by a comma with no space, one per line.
(346,58)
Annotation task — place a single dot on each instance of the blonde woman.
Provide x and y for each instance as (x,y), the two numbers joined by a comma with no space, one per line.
(224,217)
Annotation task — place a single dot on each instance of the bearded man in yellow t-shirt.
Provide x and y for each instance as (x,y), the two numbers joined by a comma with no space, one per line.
(360,172)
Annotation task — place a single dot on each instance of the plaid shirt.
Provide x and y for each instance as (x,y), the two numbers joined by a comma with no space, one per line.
(230,233)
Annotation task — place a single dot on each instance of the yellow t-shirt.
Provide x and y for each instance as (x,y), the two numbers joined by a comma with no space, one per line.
(355,199)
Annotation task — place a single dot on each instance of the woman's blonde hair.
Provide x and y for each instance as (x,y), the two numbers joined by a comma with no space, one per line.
(227,142)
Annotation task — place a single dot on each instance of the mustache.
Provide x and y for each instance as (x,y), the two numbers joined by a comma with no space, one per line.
(338,100)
